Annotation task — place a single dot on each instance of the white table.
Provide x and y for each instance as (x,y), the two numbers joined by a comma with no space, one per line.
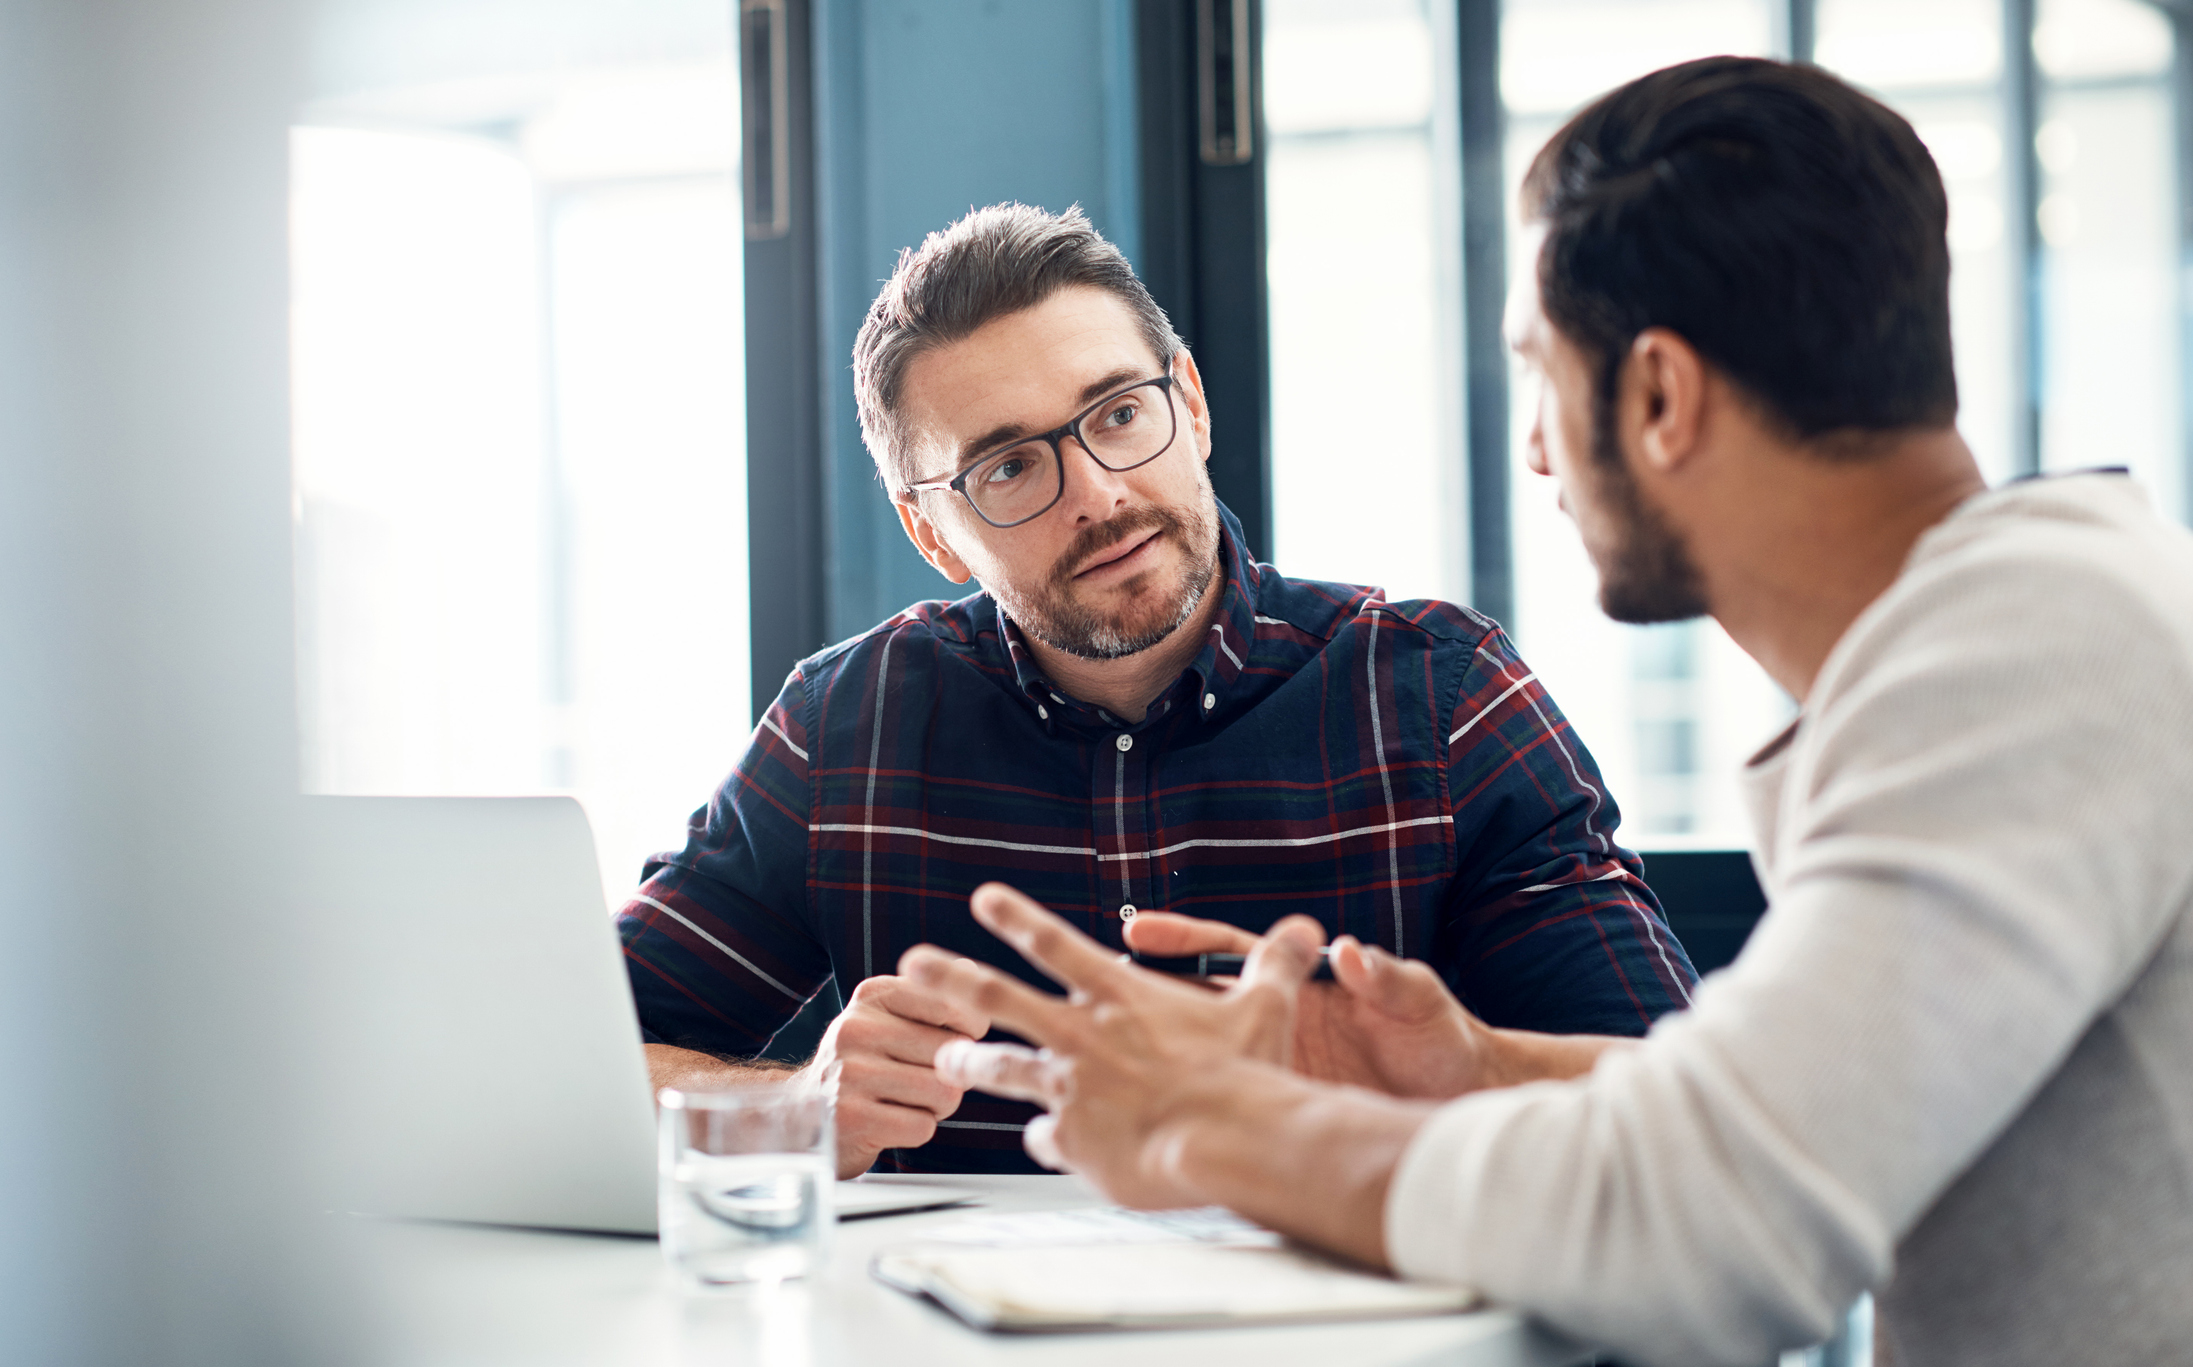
(443,1295)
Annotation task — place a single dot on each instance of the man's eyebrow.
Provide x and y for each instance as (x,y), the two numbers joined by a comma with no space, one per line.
(1013,431)
(1118,379)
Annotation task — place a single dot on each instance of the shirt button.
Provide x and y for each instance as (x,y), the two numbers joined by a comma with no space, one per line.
(1127,912)
(1043,712)
(1125,743)
(1210,700)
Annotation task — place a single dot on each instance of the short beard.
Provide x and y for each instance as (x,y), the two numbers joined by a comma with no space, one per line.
(1649,575)
(1054,616)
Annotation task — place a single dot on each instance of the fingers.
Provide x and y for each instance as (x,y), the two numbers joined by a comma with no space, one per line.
(1286,956)
(1003,1070)
(1065,954)
(1165,934)
(1004,1000)
(1041,1141)
(1402,988)
(888,1036)
(867,1127)
(911,1001)
(914,1086)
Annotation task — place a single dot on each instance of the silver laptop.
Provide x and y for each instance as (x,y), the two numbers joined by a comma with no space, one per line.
(483,1050)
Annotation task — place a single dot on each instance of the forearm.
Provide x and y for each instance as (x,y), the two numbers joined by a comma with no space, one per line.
(1519,1056)
(1306,1158)
(689,1070)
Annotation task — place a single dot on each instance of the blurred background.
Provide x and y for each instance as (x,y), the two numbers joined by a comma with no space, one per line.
(521,378)
(451,396)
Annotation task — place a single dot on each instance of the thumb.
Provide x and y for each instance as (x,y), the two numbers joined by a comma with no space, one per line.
(1286,956)
(1404,989)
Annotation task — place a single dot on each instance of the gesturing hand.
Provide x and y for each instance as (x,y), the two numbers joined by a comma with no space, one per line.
(890,1095)
(1384,1022)
(1124,1053)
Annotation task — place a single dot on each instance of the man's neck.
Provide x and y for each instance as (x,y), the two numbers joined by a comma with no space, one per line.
(1808,545)
(1126,687)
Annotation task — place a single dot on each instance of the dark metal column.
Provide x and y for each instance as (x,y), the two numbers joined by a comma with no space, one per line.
(2021,216)
(1202,140)
(1800,25)
(1484,301)
(783,384)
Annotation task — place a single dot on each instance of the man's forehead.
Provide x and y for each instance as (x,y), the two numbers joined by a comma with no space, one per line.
(1524,318)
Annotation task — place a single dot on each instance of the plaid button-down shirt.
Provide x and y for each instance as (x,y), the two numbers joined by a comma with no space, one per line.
(1392,769)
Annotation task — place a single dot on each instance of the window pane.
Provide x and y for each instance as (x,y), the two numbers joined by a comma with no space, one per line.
(1670,711)
(1939,64)
(2109,361)
(1363,249)
(518,396)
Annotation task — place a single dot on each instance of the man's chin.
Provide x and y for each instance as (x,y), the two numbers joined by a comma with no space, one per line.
(1138,625)
(1116,640)
(1649,604)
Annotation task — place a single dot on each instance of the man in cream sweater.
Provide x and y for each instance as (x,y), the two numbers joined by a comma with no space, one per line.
(1954,1065)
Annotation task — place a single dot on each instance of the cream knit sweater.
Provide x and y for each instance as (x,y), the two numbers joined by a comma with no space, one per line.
(1954,1064)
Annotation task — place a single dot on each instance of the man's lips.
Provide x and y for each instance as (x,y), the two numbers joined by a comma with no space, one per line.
(1120,552)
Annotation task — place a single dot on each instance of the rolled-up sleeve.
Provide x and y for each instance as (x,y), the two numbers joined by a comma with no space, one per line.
(1551,924)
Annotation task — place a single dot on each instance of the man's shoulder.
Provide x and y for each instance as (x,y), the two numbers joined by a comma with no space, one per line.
(2051,563)
(922,633)
(1331,611)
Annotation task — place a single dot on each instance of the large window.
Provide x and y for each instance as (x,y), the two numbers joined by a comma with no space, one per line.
(1363,252)
(518,396)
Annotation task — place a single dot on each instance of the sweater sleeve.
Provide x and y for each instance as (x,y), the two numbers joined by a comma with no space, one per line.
(1977,852)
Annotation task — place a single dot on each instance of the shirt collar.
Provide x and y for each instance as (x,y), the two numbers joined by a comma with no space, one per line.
(1208,681)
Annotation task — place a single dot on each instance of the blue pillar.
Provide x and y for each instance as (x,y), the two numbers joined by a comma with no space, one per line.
(924,109)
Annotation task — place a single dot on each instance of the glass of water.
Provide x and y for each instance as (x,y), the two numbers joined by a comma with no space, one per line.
(747,1181)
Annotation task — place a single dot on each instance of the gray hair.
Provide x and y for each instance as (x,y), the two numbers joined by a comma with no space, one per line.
(993,262)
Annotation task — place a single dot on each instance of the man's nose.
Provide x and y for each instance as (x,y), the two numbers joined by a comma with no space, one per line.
(1093,493)
(1534,449)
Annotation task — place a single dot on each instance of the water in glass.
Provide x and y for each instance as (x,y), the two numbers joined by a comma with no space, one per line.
(748,1177)
(746,1217)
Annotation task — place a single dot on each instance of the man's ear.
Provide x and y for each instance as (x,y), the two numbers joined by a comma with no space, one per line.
(1189,381)
(927,539)
(1662,406)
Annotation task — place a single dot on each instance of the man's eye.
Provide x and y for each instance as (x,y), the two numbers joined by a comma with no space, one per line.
(1122,415)
(1007,470)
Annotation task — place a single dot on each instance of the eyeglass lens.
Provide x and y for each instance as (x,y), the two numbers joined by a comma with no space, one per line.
(1132,428)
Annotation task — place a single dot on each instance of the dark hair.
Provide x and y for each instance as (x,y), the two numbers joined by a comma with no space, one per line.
(993,262)
(1787,226)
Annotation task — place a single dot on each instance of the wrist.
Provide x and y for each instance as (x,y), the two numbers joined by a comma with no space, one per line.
(1514,1057)
(1310,1159)
(1210,1136)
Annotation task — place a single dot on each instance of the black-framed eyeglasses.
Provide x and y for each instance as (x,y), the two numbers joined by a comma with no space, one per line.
(1020,481)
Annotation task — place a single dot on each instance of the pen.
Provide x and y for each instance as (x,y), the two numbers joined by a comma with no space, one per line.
(1220,965)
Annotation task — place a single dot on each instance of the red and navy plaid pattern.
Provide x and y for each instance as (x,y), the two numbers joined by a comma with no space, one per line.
(1392,769)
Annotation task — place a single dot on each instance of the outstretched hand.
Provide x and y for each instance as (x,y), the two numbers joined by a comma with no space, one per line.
(1126,1053)
(1384,1022)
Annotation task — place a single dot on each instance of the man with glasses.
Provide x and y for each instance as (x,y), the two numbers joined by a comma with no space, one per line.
(1132,720)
